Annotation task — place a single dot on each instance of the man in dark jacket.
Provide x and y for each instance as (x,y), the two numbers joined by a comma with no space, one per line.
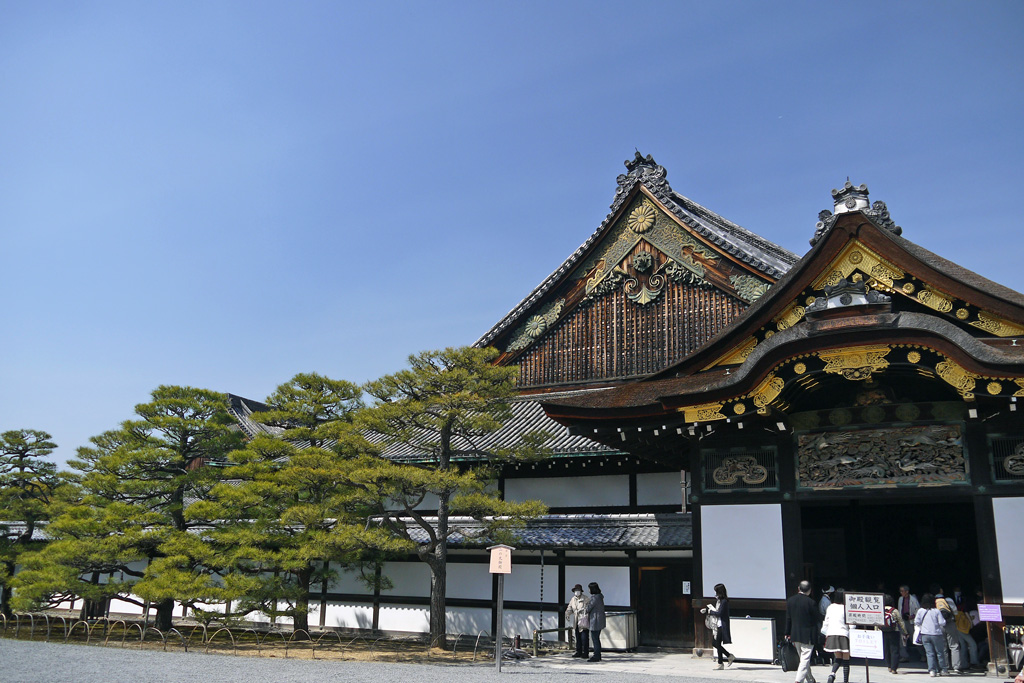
(803,623)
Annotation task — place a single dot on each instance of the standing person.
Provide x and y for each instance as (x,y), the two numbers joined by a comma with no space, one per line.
(948,610)
(823,603)
(907,605)
(595,615)
(932,625)
(837,636)
(803,623)
(892,633)
(723,636)
(576,617)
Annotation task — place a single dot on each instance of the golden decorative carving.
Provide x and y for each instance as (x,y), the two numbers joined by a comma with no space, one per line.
(997,326)
(935,300)
(913,357)
(733,469)
(793,314)
(641,219)
(993,388)
(865,260)
(857,362)
(768,390)
(736,356)
(962,313)
(908,287)
(959,378)
(799,368)
(810,300)
(706,412)
(768,334)
(1020,382)
(739,408)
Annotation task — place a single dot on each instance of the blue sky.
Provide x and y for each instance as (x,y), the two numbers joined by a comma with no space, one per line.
(224,194)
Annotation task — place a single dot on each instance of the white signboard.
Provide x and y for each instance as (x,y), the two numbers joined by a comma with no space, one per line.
(866,643)
(865,609)
(990,612)
(501,559)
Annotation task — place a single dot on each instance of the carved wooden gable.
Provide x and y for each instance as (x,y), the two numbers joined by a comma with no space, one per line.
(659,279)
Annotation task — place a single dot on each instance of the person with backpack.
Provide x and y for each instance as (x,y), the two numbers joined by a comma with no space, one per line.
(929,627)
(948,611)
(893,632)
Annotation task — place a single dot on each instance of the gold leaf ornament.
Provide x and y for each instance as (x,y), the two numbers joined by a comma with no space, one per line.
(641,219)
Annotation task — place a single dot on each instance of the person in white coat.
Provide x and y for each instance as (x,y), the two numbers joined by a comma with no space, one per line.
(576,619)
(837,636)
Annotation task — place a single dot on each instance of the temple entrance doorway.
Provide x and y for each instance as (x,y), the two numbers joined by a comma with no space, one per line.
(665,617)
(872,547)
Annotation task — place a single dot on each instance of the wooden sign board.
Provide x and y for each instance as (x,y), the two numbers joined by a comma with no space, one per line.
(501,559)
(865,609)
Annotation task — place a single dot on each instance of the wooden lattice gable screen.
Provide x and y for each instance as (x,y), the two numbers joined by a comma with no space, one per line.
(660,278)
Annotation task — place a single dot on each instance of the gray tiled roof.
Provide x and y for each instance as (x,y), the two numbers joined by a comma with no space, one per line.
(765,256)
(527,416)
(596,532)
(15,529)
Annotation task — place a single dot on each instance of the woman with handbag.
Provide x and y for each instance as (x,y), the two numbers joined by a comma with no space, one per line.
(931,625)
(719,612)
(576,618)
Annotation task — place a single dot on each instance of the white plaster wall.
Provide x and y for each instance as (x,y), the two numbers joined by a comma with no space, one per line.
(524,582)
(429,503)
(468,620)
(522,623)
(471,581)
(1009,513)
(741,546)
(348,615)
(118,606)
(659,488)
(346,582)
(599,491)
(409,578)
(415,618)
(614,582)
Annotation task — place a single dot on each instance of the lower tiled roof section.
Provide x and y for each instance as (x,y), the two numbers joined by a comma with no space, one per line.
(527,416)
(666,531)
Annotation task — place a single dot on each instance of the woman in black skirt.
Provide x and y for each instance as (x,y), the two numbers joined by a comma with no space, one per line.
(722,634)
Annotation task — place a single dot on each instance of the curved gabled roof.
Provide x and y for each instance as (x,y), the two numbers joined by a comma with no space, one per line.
(642,172)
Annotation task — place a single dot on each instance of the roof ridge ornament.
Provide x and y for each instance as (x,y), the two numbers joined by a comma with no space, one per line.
(851,198)
(639,169)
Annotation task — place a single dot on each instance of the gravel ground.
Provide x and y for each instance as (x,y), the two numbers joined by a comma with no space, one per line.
(30,662)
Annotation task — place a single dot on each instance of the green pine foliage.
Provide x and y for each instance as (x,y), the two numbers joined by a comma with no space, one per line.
(440,411)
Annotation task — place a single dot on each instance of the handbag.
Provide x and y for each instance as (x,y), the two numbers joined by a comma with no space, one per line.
(711,621)
(584,621)
(917,635)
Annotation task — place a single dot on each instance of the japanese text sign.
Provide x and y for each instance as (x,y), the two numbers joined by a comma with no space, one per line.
(990,613)
(865,609)
(501,559)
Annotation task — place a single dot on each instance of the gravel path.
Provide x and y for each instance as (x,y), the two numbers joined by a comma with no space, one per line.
(29,662)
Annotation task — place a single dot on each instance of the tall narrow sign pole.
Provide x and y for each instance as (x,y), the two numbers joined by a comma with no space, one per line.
(501,564)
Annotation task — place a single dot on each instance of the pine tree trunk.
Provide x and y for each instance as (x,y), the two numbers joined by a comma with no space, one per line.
(165,614)
(5,592)
(300,622)
(439,578)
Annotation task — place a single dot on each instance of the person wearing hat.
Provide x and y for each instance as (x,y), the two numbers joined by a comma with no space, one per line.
(820,655)
(577,619)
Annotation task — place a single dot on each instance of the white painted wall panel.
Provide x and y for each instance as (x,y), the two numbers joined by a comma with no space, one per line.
(347,615)
(471,581)
(413,618)
(1009,513)
(659,488)
(468,620)
(614,582)
(118,606)
(346,582)
(409,578)
(524,582)
(741,546)
(604,491)
(522,623)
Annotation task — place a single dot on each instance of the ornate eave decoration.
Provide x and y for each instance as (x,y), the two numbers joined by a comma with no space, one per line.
(639,169)
(849,198)
(535,327)
(856,363)
(739,468)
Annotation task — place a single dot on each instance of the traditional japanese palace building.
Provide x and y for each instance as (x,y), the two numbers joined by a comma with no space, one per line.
(722,410)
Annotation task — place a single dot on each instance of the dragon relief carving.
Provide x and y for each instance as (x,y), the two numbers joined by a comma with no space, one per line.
(915,455)
(741,468)
(536,326)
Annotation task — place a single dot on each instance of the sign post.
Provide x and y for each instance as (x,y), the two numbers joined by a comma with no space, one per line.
(501,564)
(866,609)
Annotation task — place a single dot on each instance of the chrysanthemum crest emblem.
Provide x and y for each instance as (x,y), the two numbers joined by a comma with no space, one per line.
(641,219)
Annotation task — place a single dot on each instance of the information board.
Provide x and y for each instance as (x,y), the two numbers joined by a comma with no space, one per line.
(501,559)
(990,612)
(865,609)
(866,643)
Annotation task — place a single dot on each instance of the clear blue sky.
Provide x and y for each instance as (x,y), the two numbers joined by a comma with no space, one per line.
(223,194)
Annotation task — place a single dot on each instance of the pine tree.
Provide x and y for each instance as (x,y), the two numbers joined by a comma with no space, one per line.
(441,411)
(27,485)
